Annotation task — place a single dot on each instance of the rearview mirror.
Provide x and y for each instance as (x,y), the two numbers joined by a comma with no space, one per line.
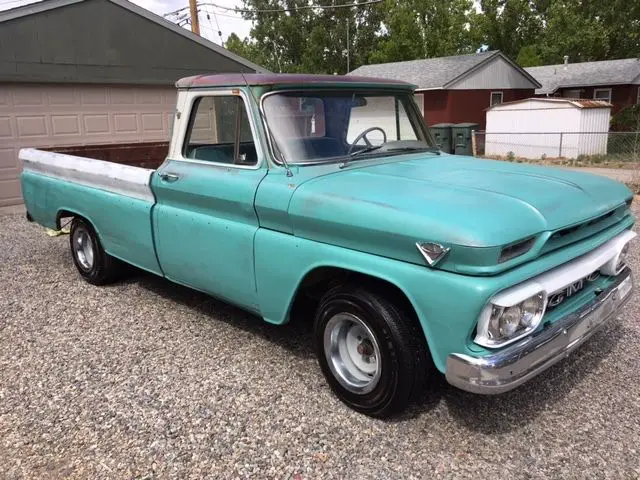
(358,102)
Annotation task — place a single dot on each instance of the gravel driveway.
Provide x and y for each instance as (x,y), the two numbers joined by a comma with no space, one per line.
(146,379)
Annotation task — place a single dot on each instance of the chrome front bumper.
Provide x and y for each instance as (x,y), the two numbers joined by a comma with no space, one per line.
(522,361)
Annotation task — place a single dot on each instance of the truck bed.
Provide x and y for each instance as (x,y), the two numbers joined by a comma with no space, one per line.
(145,155)
(119,168)
(109,185)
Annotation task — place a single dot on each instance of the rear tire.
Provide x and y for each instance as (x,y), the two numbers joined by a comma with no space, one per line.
(372,354)
(94,264)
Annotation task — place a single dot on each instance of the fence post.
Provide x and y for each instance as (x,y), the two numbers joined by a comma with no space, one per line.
(560,149)
(473,143)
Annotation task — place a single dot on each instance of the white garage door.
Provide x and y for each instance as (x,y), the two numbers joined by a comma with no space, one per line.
(51,115)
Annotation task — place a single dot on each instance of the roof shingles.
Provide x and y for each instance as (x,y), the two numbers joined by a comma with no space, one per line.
(426,73)
(609,72)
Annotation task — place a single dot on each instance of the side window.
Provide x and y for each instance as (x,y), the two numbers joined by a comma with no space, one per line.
(219,132)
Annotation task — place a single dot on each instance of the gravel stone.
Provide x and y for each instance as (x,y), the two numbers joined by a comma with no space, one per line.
(146,379)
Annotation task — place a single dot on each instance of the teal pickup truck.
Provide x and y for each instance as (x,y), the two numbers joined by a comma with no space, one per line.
(325,198)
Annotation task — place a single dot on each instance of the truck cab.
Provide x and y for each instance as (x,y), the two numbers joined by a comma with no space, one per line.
(326,198)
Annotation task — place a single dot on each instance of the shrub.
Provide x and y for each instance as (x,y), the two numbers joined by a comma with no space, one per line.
(627,119)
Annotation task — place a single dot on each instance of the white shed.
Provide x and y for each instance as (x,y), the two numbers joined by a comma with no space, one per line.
(548,127)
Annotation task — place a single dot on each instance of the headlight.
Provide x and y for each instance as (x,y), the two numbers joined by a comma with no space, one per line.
(499,326)
(622,258)
(616,264)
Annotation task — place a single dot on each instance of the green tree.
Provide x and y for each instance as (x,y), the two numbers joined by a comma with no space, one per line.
(243,47)
(533,32)
(309,40)
(591,30)
(423,29)
(529,56)
(511,26)
(317,40)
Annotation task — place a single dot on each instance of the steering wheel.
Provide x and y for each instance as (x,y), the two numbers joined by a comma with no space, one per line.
(363,136)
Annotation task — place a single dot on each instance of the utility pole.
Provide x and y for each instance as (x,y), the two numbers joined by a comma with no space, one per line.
(195,24)
(348,45)
(347,51)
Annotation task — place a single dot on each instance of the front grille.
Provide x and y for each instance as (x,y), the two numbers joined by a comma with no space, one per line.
(558,297)
(568,231)
(578,232)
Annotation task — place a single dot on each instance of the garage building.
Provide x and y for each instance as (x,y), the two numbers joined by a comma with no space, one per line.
(82,72)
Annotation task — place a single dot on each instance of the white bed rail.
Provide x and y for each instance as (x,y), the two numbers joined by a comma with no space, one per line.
(113,177)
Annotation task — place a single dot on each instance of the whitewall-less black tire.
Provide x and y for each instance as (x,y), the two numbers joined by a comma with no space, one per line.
(372,354)
(94,264)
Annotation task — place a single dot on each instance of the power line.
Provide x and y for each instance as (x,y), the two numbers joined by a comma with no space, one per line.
(218,14)
(206,10)
(282,10)
(295,9)
(184,16)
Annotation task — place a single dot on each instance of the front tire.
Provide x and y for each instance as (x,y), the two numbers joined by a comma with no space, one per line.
(372,354)
(94,264)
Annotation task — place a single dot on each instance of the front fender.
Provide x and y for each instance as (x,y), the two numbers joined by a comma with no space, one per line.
(446,304)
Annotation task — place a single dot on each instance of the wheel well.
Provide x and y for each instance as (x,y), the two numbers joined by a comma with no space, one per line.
(318,281)
(65,214)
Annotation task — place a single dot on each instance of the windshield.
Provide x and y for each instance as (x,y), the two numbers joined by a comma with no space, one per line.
(318,126)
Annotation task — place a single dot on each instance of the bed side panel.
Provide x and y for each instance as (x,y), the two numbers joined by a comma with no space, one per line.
(116,199)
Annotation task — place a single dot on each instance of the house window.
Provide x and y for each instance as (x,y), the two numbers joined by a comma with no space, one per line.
(496,98)
(602,94)
(571,93)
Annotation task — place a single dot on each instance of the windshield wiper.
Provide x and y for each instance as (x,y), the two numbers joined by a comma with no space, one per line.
(368,149)
(388,149)
(416,149)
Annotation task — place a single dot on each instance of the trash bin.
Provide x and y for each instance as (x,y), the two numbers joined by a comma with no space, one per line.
(461,138)
(442,135)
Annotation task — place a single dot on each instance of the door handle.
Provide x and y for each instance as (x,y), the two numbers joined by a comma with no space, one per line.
(169,177)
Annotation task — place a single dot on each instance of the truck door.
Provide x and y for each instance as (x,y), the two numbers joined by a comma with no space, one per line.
(204,219)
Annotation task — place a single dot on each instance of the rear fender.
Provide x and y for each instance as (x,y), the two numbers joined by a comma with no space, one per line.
(123,223)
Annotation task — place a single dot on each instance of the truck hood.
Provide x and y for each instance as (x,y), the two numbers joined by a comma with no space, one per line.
(464,203)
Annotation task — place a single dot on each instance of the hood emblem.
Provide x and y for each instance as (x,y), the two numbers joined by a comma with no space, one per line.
(433,253)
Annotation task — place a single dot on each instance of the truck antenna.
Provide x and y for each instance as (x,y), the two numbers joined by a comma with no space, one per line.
(266,124)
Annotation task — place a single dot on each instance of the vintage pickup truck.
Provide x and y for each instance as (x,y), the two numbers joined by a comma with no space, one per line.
(325,198)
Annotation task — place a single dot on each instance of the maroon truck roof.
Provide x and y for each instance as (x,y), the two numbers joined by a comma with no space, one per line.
(289,79)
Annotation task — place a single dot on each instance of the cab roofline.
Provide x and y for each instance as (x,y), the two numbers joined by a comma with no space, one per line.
(286,79)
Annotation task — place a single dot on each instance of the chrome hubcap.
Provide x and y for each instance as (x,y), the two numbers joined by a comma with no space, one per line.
(83,248)
(352,353)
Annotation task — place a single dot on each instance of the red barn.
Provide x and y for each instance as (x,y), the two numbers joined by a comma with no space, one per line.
(458,89)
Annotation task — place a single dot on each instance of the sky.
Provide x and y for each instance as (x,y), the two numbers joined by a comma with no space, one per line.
(228,20)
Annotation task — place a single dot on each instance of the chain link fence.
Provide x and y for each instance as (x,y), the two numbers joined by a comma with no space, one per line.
(622,148)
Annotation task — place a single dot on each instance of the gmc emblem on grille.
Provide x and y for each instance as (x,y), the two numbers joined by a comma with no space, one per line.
(560,296)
